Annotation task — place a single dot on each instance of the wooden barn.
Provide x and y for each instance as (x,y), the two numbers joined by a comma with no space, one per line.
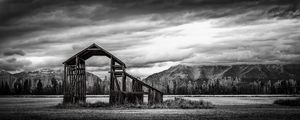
(124,88)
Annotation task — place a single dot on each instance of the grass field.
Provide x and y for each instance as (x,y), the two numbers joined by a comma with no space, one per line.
(226,107)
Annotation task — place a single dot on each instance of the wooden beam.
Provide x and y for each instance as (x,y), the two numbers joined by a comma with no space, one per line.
(119,67)
(124,80)
(118,72)
(93,49)
(65,85)
(133,78)
(112,86)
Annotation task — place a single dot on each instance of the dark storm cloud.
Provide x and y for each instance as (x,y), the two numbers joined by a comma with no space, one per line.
(136,31)
(10,60)
(142,62)
(67,13)
(9,52)
(120,45)
(38,43)
(251,51)
(12,64)
(20,17)
(13,9)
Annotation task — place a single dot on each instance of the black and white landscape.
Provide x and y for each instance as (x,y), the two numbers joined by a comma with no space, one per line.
(239,58)
(179,79)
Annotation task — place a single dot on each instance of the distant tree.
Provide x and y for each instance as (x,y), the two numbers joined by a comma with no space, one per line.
(26,87)
(217,87)
(18,86)
(48,90)
(6,89)
(255,87)
(292,85)
(204,88)
(2,88)
(174,86)
(234,89)
(268,87)
(54,86)
(284,86)
(181,90)
(97,88)
(60,89)
(189,87)
(168,89)
(276,87)
(39,87)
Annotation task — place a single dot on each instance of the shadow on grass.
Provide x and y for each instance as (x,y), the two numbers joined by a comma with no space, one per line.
(177,103)
(288,102)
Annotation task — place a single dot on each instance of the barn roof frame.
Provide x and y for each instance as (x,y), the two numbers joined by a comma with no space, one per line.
(92,50)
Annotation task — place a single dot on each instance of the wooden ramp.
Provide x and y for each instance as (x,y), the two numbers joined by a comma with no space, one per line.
(124,88)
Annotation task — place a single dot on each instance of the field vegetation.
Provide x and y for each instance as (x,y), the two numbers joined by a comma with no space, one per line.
(225,108)
(177,103)
(288,102)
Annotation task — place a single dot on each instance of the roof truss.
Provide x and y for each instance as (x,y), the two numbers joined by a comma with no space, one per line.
(92,50)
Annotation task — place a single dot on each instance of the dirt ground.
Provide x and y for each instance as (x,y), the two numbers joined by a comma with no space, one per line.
(226,108)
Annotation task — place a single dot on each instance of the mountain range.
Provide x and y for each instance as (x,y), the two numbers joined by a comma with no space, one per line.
(184,77)
(48,79)
(180,79)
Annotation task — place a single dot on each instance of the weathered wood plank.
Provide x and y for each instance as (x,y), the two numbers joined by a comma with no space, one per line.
(124,82)
(112,85)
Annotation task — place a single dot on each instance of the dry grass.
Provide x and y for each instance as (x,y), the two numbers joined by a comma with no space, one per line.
(184,103)
(177,103)
(288,102)
(42,108)
(83,105)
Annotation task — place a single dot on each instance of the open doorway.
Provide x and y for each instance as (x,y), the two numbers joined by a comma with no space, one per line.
(97,75)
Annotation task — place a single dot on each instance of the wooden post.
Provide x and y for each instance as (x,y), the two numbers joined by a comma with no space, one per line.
(72,87)
(123,79)
(68,85)
(65,85)
(76,81)
(84,83)
(150,97)
(112,85)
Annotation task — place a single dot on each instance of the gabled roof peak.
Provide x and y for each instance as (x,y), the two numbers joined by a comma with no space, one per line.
(92,50)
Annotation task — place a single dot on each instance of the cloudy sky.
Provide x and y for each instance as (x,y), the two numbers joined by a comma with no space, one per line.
(148,35)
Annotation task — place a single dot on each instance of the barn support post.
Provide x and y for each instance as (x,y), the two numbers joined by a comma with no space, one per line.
(80,80)
(112,85)
(65,84)
(150,97)
(123,79)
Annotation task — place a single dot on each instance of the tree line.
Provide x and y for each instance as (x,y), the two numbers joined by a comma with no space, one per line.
(25,87)
(175,86)
(230,86)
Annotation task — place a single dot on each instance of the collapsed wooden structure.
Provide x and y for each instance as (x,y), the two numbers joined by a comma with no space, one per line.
(124,88)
